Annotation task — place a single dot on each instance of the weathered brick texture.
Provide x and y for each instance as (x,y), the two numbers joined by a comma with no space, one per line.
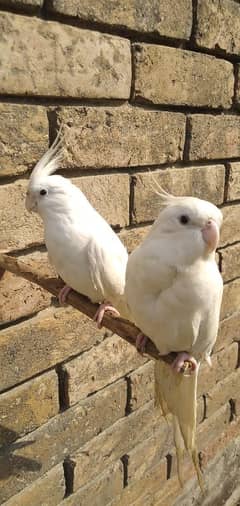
(166,18)
(124,136)
(217,25)
(61,60)
(23,137)
(167,75)
(147,94)
(214,137)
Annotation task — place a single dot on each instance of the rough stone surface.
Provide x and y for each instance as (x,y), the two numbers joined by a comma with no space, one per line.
(230,231)
(233,192)
(18,297)
(133,237)
(42,342)
(214,137)
(48,490)
(204,182)
(218,25)
(165,75)
(224,363)
(142,385)
(225,390)
(230,262)
(231,299)
(63,61)
(99,491)
(35,454)
(23,137)
(229,331)
(28,406)
(28,5)
(164,18)
(20,229)
(117,441)
(103,364)
(123,136)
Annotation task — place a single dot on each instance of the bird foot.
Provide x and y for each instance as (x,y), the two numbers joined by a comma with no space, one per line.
(106,306)
(62,296)
(141,341)
(184,362)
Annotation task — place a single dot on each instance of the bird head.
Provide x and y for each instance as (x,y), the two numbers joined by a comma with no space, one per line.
(47,192)
(195,221)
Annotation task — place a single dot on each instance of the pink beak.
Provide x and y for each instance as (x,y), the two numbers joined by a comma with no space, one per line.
(210,233)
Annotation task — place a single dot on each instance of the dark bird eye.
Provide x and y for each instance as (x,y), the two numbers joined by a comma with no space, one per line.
(184,219)
(43,192)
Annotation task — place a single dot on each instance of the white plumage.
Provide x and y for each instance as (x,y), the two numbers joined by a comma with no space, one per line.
(83,248)
(174,292)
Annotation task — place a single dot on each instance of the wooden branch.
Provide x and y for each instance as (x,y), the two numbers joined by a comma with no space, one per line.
(123,328)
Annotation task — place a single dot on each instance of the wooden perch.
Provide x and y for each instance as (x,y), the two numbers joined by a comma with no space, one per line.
(123,328)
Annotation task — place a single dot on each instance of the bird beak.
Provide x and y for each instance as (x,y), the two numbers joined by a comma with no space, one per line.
(210,234)
(30,204)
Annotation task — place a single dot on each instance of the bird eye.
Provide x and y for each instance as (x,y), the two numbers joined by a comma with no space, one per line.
(43,192)
(184,219)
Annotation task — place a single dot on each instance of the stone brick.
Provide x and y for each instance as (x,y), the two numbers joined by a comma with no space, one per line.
(27,5)
(233,192)
(229,331)
(231,299)
(42,342)
(123,136)
(23,462)
(103,364)
(142,385)
(224,363)
(23,137)
(63,61)
(204,182)
(28,406)
(221,474)
(214,137)
(148,454)
(217,25)
(167,18)
(48,490)
(18,297)
(226,389)
(133,237)
(99,491)
(166,75)
(230,231)
(117,441)
(20,229)
(109,194)
(230,262)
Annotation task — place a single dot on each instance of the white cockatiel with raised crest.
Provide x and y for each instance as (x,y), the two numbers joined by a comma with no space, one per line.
(174,292)
(83,248)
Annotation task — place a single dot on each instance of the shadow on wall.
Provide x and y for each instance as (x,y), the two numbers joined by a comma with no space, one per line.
(11,464)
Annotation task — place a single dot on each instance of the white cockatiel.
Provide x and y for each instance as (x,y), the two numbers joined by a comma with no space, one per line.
(174,292)
(83,248)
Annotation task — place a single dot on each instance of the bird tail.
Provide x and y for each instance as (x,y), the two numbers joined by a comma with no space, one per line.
(177,394)
(49,162)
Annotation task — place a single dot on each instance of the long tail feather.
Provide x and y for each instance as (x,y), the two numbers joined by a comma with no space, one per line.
(49,162)
(177,394)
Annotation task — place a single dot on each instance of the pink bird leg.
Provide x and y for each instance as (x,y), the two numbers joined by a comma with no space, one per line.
(181,358)
(105,306)
(62,296)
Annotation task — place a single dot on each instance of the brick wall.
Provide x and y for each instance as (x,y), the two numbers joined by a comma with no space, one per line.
(141,85)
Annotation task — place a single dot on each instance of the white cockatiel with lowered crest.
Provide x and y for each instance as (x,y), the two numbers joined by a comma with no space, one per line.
(83,248)
(174,292)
